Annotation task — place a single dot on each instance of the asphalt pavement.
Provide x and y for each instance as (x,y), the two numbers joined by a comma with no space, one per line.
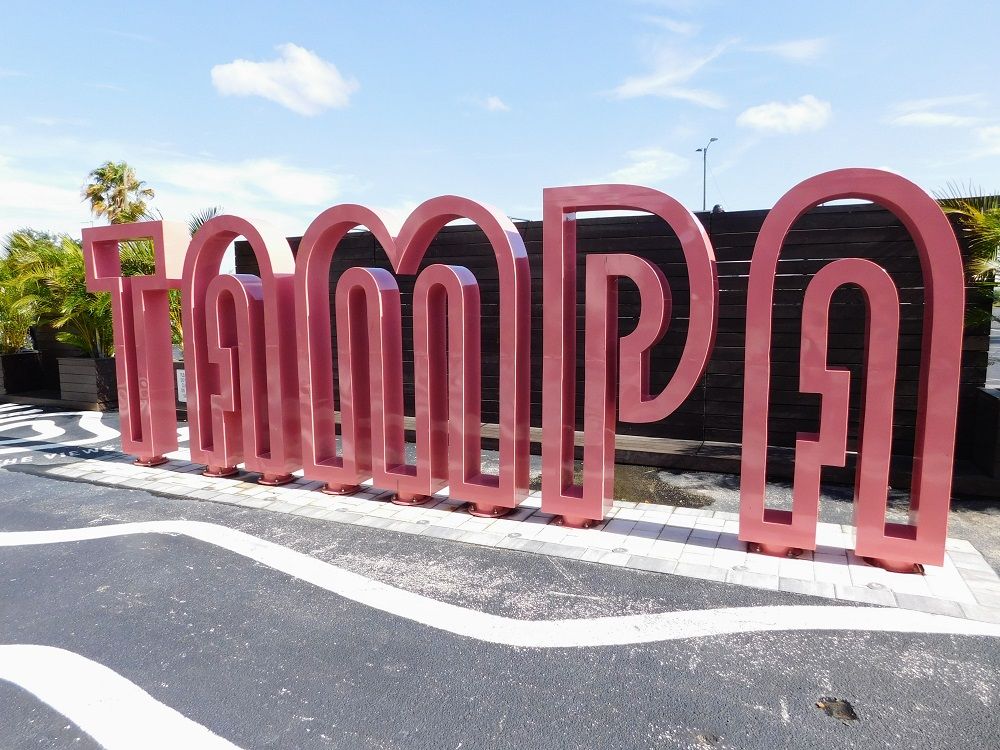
(263,659)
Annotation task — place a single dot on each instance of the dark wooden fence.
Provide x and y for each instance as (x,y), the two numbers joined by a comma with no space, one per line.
(706,431)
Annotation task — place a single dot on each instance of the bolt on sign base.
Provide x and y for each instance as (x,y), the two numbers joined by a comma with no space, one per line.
(219,472)
(482,510)
(773,550)
(895,566)
(575,522)
(149,461)
(408,498)
(340,489)
(275,480)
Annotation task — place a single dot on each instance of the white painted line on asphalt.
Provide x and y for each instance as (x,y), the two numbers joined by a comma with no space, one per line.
(13,407)
(44,429)
(597,631)
(9,416)
(91,421)
(117,713)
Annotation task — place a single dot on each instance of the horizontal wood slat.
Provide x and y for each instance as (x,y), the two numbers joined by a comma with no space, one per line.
(713,413)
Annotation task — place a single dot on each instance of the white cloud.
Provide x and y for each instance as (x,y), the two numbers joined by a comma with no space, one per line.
(40,185)
(650,166)
(286,196)
(797,50)
(495,104)
(252,180)
(684,28)
(807,113)
(989,138)
(920,105)
(927,112)
(934,120)
(42,201)
(299,80)
(671,70)
(698,96)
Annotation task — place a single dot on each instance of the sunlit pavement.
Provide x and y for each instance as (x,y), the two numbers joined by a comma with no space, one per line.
(332,634)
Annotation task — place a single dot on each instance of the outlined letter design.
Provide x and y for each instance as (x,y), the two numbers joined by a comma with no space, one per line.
(239,353)
(894,545)
(447,376)
(141,320)
(608,381)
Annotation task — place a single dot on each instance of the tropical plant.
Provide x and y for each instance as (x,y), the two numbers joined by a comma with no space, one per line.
(115,193)
(979,219)
(16,318)
(200,217)
(50,273)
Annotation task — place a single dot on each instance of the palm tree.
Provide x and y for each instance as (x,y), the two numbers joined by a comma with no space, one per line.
(116,193)
(200,217)
(979,220)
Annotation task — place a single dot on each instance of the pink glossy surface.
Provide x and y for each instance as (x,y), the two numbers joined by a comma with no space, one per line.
(447,375)
(141,316)
(607,383)
(239,352)
(261,371)
(922,539)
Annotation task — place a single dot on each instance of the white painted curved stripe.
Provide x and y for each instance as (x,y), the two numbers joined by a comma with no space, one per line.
(117,713)
(91,421)
(45,429)
(10,416)
(597,631)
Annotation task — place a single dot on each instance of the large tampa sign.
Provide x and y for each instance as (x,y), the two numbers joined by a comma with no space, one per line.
(259,358)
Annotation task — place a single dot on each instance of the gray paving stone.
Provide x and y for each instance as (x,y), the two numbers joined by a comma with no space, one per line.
(594,555)
(247,502)
(701,571)
(980,576)
(519,543)
(404,527)
(811,588)
(375,522)
(981,613)
(308,511)
(750,578)
(616,558)
(444,532)
(651,564)
(646,530)
(929,604)
(987,598)
(866,595)
(561,550)
(984,586)
(970,561)
(277,507)
(344,516)
(674,534)
(482,538)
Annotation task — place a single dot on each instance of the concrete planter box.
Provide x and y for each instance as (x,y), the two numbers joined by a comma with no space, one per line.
(986,449)
(89,381)
(21,372)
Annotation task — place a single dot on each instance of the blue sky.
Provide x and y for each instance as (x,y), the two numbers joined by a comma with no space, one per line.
(278,110)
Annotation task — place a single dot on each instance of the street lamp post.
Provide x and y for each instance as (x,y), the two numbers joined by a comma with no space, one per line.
(704,172)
